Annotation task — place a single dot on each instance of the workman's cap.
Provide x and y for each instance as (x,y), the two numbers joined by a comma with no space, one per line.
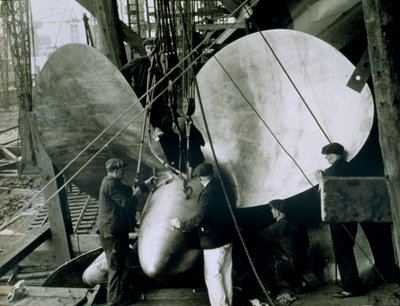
(148,41)
(115,163)
(333,148)
(278,204)
(204,169)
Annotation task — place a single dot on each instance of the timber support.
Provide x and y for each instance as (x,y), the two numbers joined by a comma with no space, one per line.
(382,22)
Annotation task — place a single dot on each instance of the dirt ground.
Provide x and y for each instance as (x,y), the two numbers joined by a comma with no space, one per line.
(17,193)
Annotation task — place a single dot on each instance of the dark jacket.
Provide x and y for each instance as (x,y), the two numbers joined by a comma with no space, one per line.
(288,241)
(213,221)
(339,168)
(135,72)
(117,207)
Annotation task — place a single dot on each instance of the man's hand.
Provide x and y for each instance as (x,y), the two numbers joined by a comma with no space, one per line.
(157,134)
(319,175)
(175,223)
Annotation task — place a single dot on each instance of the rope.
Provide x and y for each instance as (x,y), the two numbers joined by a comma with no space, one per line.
(135,118)
(229,202)
(289,78)
(322,130)
(132,106)
(263,121)
(364,253)
(131,121)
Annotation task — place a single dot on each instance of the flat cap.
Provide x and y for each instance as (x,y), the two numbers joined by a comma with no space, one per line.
(148,41)
(278,204)
(333,148)
(204,169)
(115,163)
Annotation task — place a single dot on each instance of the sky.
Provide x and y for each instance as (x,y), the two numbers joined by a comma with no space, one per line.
(55,16)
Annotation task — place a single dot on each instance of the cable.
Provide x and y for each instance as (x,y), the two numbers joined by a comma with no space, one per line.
(61,22)
(229,202)
(322,130)
(288,76)
(131,107)
(263,121)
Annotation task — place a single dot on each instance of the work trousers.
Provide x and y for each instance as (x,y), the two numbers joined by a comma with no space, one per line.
(117,254)
(218,275)
(380,240)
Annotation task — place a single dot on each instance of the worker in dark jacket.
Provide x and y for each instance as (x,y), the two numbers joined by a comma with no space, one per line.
(216,229)
(344,233)
(142,74)
(116,219)
(136,71)
(283,247)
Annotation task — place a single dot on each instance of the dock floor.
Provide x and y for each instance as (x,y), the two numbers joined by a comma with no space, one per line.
(385,295)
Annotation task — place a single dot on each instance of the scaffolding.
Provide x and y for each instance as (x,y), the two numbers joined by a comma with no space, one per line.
(16,14)
(4,61)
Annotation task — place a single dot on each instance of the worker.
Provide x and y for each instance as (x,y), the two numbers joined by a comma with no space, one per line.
(215,228)
(282,252)
(142,73)
(136,70)
(117,208)
(343,235)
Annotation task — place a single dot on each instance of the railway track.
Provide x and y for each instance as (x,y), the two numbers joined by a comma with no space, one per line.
(83,211)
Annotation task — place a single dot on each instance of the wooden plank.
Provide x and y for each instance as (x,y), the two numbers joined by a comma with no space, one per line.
(112,44)
(355,199)
(45,296)
(8,154)
(9,129)
(382,22)
(131,37)
(57,206)
(9,165)
(22,248)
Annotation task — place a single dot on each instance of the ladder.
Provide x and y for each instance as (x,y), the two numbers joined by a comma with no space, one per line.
(141,17)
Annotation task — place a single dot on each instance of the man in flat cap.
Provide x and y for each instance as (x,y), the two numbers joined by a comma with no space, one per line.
(215,228)
(146,75)
(343,235)
(136,71)
(117,208)
(281,252)
(343,243)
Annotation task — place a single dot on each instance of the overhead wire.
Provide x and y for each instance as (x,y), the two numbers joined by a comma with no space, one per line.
(61,22)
